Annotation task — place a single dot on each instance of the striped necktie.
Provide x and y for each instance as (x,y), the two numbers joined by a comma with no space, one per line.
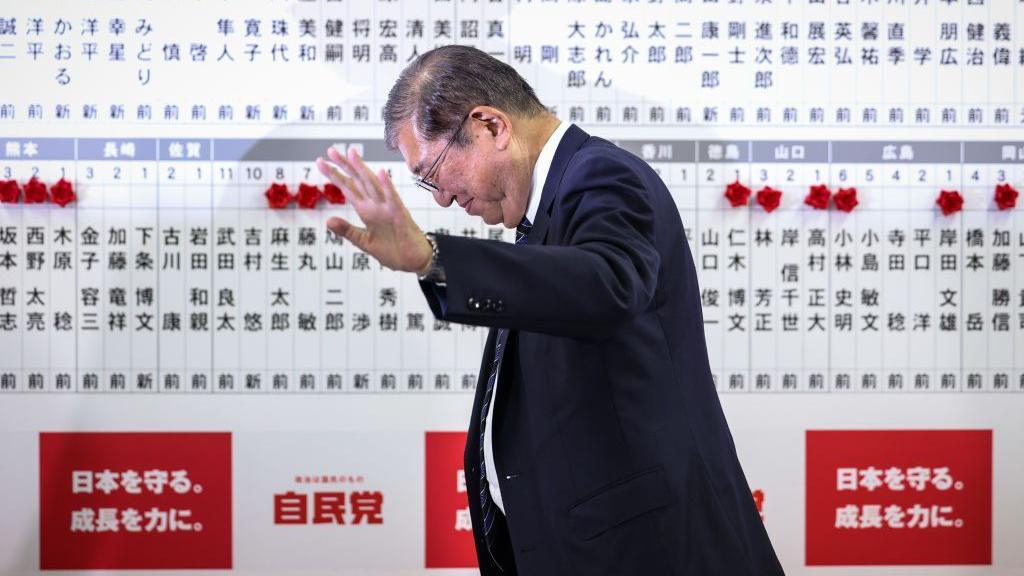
(486,504)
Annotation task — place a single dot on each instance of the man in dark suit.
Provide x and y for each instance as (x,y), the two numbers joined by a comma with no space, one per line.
(597,444)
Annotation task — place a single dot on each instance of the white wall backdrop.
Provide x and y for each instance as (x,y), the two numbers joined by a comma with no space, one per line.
(194,379)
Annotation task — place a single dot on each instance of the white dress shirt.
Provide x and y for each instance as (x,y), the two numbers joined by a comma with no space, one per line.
(540,174)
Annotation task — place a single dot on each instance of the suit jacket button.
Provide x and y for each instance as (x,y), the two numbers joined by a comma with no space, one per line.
(499,306)
(473,303)
(488,304)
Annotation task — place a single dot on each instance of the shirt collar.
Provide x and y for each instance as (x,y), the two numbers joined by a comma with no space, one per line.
(541,168)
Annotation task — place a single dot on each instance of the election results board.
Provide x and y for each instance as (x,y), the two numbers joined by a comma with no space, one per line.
(196,376)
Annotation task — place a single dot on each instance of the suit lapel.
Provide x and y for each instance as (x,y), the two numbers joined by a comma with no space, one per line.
(472,443)
(573,138)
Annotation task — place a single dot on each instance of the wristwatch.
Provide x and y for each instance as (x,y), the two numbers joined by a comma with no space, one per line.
(435,273)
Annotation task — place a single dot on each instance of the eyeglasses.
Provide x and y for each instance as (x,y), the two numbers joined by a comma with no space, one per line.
(424,181)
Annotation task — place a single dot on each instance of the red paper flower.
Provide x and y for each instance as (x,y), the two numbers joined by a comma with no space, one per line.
(308,196)
(35,191)
(818,197)
(278,196)
(9,191)
(738,194)
(1006,196)
(333,194)
(950,201)
(769,198)
(846,199)
(62,193)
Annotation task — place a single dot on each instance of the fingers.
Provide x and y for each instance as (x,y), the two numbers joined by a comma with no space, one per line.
(365,190)
(339,179)
(390,192)
(345,229)
(365,175)
(338,226)
(334,155)
(346,163)
(361,180)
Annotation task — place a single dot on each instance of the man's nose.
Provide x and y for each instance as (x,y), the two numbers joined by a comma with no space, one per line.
(443,198)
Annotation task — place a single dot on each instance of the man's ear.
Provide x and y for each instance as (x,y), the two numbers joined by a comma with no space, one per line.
(497,124)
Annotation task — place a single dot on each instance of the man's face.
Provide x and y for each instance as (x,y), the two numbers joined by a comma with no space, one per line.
(476,176)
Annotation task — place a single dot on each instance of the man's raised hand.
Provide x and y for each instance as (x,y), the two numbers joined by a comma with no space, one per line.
(391,235)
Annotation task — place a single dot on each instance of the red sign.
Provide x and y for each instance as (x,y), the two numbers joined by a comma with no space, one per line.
(449,532)
(899,497)
(135,500)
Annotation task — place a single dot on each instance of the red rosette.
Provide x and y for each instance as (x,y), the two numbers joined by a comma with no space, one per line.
(738,194)
(769,198)
(62,193)
(333,194)
(818,197)
(278,196)
(950,201)
(35,191)
(846,199)
(9,191)
(1006,196)
(308,196)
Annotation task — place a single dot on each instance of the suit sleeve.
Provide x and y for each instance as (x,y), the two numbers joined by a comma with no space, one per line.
(601,272)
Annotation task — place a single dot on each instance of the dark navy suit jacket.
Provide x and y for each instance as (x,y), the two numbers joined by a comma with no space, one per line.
(611,448)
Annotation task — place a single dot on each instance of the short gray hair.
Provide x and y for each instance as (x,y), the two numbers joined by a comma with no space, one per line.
(441,86)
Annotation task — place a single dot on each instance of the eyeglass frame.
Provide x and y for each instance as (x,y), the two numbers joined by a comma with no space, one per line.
(423,182)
